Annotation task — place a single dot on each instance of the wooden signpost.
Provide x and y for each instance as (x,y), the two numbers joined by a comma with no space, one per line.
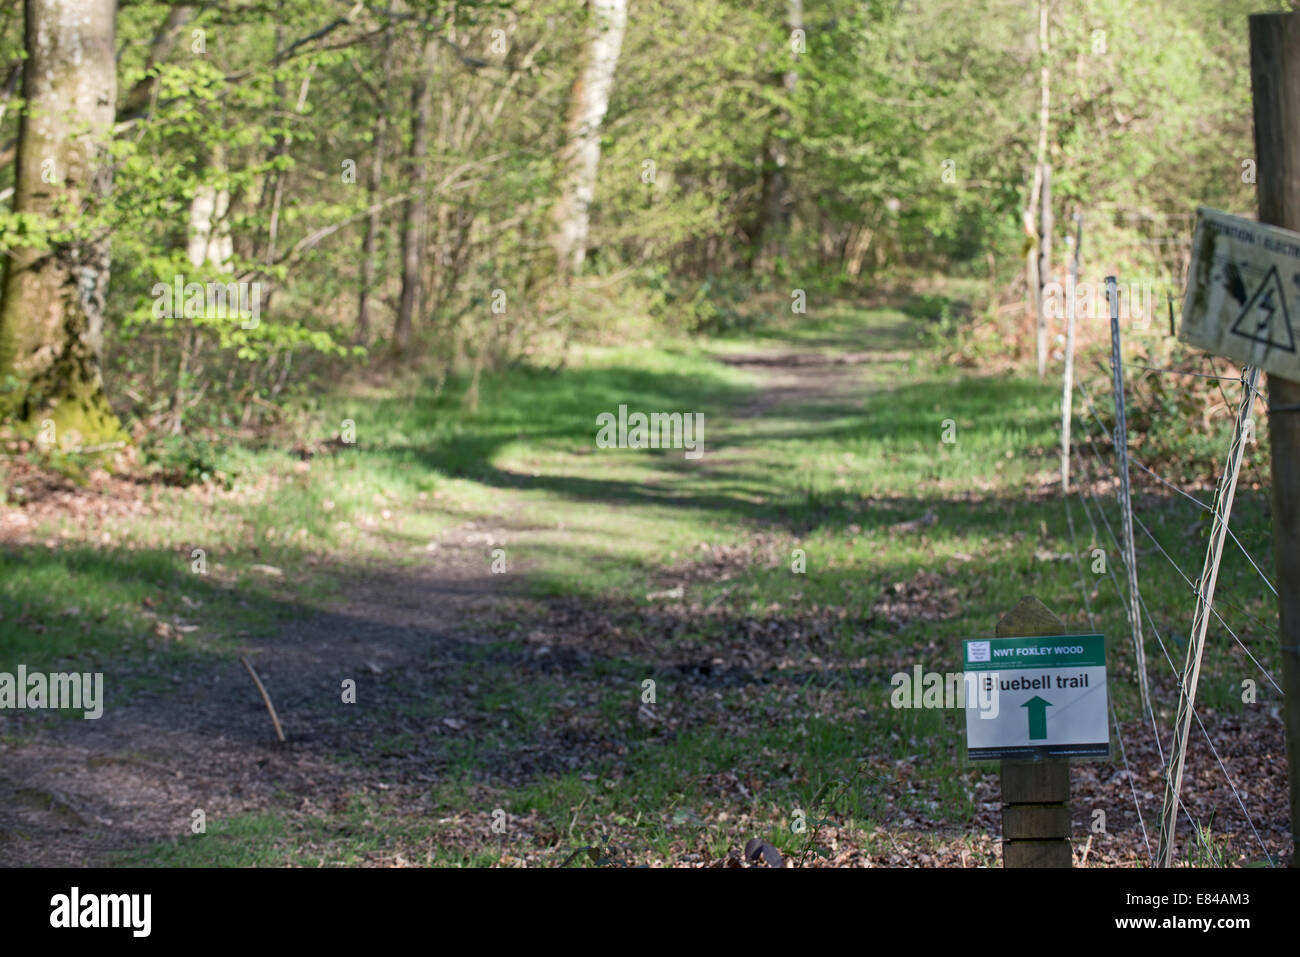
(1067,718)
(1275,81)
(1243,301)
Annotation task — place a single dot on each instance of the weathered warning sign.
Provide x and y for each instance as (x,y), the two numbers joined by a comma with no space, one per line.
(1243,292)
(1037,697)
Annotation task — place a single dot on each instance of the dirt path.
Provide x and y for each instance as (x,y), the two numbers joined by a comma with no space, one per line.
(72,792)
(77,789)
(413,638)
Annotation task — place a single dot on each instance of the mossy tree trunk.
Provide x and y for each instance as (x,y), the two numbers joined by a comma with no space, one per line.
(52,316)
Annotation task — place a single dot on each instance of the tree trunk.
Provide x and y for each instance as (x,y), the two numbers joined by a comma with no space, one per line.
(414,210)
(165,39)
(1034,274)
(52,317)
(208,239)
(369,257)
(778,202)
(1047,227)
(856,249)
(374,185)
(588,102)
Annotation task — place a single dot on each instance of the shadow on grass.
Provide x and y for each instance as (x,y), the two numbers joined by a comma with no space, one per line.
(529,710)
(557,415)
(473,693)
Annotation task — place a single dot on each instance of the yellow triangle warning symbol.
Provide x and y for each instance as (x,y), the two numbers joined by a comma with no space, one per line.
(1264,318)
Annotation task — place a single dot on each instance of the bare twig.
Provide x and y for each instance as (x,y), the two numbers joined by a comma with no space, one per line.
(275,720)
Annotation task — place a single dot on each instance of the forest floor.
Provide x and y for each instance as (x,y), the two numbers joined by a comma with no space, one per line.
(501,592)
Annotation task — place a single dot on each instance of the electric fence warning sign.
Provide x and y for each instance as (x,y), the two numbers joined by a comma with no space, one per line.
(1243,292)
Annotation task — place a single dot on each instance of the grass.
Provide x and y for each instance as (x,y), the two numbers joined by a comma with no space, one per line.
(831,476)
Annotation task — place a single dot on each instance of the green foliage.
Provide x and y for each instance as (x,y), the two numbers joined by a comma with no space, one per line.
(187,460)
(1208,850)
(713,304)
(1180,422)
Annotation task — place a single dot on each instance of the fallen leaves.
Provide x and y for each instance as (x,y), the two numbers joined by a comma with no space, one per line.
(924,521)
(675,593)
(924,597)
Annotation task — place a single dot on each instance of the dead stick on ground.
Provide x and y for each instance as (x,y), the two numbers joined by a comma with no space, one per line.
(279,731)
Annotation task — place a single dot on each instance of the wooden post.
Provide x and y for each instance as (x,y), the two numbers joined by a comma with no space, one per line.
(1035,794)
(1275,82)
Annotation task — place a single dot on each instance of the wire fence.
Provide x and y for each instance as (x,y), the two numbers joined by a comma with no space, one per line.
(1102,473)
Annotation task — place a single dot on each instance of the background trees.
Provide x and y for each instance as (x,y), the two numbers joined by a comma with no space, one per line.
(420,178)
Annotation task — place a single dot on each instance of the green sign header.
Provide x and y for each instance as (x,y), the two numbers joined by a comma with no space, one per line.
(1011,654)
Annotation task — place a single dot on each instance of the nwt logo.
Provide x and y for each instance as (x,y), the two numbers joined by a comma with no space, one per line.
(658,430)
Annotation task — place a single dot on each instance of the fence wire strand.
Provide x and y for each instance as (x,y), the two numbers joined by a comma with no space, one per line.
(1179,681)
(1114,715)
(1106,471)
(1190,584)
(1119,594)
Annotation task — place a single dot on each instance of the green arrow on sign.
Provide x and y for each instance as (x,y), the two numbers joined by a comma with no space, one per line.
(1037,717)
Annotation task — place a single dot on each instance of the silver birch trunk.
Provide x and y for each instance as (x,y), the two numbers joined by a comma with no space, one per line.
(588,103)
